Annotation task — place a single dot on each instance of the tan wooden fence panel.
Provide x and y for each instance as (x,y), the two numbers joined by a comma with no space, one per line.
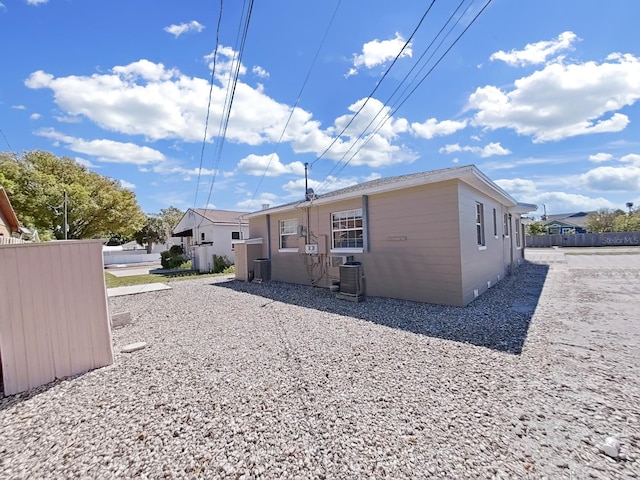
(54,318)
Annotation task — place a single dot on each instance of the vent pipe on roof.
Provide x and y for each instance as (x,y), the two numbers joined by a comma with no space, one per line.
(265,206)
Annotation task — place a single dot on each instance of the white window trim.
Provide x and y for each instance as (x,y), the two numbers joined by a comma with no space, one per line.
(479,211)
(346,249)
(295,234)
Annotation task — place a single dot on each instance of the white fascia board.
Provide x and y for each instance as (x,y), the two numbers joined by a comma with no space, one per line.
(248,241)
(522,208)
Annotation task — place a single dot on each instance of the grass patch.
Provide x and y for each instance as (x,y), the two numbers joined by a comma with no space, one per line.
(113,281)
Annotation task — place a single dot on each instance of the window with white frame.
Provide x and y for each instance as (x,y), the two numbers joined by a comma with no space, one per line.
(505,227)
(289,234)
(480,224)
(235,235)
(346,229)
(495,223)
(517,228)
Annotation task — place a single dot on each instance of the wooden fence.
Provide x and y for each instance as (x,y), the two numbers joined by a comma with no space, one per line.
(54,319)
(584,240)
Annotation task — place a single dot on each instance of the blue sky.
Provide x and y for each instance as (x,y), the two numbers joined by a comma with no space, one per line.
(543,96)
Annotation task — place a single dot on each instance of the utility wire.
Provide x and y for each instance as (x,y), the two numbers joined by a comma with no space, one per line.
(304,83)
(377,85)
(231,89)
(402,82)
(206,122)
(419,83)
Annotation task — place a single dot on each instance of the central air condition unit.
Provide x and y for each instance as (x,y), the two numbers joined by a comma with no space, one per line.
(351,282)
(261,270)
(337,261)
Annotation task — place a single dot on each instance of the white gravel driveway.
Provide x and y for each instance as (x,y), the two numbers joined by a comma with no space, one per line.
(281,381)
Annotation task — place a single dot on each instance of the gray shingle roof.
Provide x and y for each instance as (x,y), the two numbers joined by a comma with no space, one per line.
(222,216)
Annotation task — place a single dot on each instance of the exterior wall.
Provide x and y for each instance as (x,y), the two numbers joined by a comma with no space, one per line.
(414,245)
(245,254)
(483,267)
(221,237)
(5,229)
(54,319)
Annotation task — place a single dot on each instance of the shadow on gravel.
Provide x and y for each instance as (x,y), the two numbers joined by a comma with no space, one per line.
(499,319)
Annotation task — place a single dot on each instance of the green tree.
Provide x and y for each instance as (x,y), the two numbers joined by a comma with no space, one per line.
(628,222)
(96,205)
(602,221)
(152,232)
(536,228)
(170,217)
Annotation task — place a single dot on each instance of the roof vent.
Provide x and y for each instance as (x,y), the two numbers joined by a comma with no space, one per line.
(310,194)
(265,206)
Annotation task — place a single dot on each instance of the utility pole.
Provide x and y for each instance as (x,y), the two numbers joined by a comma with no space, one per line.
(306,186)
(66,226)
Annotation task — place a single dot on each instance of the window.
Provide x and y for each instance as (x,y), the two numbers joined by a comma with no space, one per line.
(346,229)
(495,224)
(202,237)
(480,224)
(505,226)
(518,233)
(289,234)
(235,235)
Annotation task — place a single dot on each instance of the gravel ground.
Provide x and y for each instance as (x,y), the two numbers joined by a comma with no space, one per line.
(281,381)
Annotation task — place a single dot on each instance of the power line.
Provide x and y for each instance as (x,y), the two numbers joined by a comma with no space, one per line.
(402,82)
(304,83)
(231,89)
(206,122)
(377,84)
(414,89)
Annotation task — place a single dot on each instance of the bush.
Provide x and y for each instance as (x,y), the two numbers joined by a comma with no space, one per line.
(174,258)
(221,263)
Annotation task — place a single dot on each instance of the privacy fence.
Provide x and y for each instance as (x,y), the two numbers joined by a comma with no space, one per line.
(584,240)
(54,319)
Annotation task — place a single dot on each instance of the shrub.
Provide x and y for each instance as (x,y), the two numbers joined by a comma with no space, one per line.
(174,258)
(221,263)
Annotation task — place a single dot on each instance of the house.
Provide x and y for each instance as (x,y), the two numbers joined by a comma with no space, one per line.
(10,229)
(443,237)
(215,229)
(564,223)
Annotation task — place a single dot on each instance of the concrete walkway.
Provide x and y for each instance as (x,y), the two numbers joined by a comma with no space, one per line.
(133,289)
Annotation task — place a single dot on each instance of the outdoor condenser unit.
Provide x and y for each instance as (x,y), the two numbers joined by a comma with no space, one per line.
(261,270)
(351,282)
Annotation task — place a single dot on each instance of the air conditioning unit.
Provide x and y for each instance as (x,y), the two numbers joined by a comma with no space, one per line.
(351,282)
(340,260)
(261,270)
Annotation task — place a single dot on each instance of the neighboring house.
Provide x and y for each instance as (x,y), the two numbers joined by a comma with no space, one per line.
(214,228)
(564,223)
(439,237)
(10,229)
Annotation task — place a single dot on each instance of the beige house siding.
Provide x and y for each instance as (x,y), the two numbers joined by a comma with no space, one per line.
(54,319)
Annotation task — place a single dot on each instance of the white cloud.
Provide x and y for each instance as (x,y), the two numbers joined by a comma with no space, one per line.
(85,163)
(536,53)
(159,103)
(268,165)
(106,150)
(2,7)
(177,30)
(35,116)
(489,150)
(562,202)
(632,158)
(622,179)
(562,101)
(377,52)
(256,203)
(296,187)
(432,128)
(600,157)
(517,186)
(37,2)
(18,107)
(260,72)
(127,185)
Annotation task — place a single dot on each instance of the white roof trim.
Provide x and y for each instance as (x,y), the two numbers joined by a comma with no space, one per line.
(248,241)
